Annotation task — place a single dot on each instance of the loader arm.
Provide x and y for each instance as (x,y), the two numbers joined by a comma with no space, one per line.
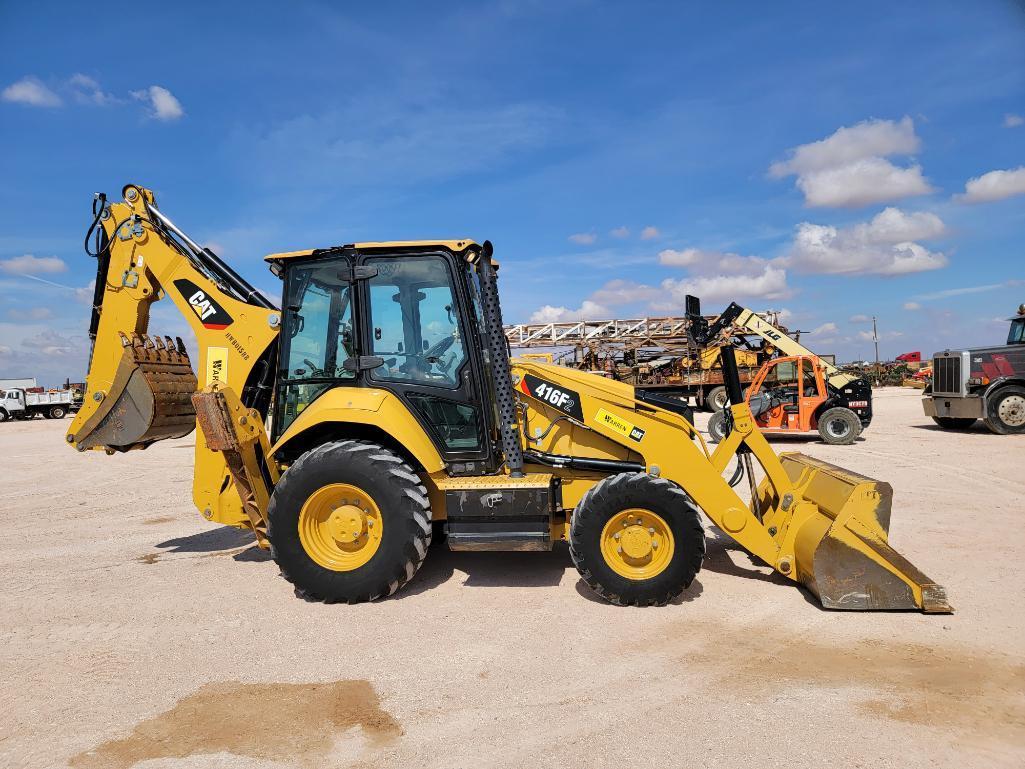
(736,316)
(814,523)
(139,386)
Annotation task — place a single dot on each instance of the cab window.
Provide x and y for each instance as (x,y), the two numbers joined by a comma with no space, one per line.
(414,324)
(318,337)
(1017,332)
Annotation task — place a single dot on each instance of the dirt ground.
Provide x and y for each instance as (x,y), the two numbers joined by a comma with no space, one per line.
(133,633)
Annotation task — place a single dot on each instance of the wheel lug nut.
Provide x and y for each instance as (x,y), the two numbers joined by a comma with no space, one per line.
(654,545)
(619,550)
(616,535)
(651,531)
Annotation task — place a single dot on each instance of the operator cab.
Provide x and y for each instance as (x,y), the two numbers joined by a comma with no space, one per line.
(405,318)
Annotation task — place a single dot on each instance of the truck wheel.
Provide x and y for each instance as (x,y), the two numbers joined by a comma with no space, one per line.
(349,521)
(57,412)
(716,399)
(637,540)
(3,416)
(839,426)
(954,423)
(717,426)
(1005,413)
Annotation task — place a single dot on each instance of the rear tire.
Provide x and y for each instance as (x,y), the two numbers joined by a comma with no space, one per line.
(716,399)
(1005,412)
(666,509)
(955,423)
(390,487)
(717,427)
(839,426)
(57,412)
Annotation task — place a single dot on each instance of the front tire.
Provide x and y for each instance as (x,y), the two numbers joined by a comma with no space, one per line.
(349,521)
(839,426)
(1005,412)
(637,540)
(955,423)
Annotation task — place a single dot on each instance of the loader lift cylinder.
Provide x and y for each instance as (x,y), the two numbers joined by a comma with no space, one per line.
(508,429)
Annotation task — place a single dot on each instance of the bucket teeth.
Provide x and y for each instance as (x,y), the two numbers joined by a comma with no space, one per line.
(149,399)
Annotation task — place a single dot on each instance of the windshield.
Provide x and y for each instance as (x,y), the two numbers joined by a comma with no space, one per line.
(1017,332)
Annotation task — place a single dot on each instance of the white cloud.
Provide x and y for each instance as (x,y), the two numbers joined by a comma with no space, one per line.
(163,103)
(1013,121)
(770,283)
(867,335)
(87,91)
(870,138)
(51,343)
(650,233)
(685,258)
(962,290)
(588,310)
(825,328)
(912,306)
(620,232)
(5,350)
(617,292)
(859,319)
(29,313)
(85,293)
(882,246)
(862,183)
(31,91)
(583,238)
(849,168)
(29,264)
(996,185)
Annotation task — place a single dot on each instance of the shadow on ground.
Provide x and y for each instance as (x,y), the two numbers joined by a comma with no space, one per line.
(489,569)
(223,540)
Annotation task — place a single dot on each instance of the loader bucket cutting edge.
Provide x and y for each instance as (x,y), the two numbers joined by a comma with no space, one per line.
(150,398)
(841,551)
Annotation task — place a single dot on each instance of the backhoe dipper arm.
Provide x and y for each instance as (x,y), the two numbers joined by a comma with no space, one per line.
(736,316)
(139,387)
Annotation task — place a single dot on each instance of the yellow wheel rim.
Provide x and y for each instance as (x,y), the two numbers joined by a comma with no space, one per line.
(340,527)
(637,544)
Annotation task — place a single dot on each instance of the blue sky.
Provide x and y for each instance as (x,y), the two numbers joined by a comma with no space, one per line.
(807,157)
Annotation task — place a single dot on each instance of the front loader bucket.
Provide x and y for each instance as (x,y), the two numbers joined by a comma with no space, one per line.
(150,398)
(841,551)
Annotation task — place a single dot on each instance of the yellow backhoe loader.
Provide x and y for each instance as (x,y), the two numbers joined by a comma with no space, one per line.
(392,403)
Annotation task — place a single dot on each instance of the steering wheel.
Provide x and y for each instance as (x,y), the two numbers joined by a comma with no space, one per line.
(314,371)
(439,348)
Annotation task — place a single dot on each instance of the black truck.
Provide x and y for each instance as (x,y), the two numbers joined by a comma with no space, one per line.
(987,383)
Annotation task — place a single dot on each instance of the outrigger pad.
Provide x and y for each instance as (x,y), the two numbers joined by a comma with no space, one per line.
(150,398)
(842,554)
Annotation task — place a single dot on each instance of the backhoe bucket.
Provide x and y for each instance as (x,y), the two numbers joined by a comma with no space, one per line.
(841,551)
(150,398)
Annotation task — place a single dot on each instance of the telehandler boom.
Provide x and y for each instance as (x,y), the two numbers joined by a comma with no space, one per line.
(392,403)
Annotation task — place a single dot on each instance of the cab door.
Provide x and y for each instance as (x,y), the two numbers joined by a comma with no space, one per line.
(425,349)
(812,393)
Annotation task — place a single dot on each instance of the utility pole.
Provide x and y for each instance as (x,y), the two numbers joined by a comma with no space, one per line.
(875,338)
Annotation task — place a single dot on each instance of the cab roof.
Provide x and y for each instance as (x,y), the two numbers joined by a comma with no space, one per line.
(379,245)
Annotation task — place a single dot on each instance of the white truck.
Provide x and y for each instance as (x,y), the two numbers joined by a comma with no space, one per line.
(17,403)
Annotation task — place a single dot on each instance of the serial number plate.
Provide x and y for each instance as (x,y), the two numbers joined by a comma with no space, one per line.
(857,404)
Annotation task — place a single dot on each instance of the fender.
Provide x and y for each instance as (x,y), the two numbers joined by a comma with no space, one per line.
(377,408)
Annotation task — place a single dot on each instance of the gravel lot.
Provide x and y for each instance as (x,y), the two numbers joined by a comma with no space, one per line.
(135,634)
